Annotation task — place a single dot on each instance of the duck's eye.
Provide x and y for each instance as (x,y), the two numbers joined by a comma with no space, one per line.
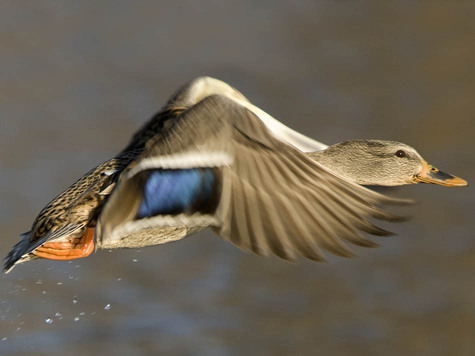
(400,153)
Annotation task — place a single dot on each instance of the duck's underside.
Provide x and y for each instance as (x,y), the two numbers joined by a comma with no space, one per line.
(68,250)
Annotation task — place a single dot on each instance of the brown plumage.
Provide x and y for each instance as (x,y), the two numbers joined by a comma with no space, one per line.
(68,215)
(215,160)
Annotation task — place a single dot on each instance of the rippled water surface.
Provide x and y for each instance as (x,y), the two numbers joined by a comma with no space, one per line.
(77,78)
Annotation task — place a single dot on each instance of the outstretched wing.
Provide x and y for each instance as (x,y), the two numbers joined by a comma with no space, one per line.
(199,88)
(220,166)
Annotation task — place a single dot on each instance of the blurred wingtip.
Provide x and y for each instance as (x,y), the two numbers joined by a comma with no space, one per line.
(399,201)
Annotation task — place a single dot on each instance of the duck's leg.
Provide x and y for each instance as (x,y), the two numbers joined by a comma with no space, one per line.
(80,247)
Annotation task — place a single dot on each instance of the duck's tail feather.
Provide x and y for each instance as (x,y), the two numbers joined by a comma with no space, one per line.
(19,253)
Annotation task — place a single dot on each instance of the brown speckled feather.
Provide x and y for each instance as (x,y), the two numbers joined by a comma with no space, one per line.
(69,214)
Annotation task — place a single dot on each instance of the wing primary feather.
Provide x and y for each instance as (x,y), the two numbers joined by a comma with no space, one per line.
(349,233)
(327,241)
(327,236)
(252,209)
(305,244)
(350,224)
(275,234)
(302,240)
(240,223)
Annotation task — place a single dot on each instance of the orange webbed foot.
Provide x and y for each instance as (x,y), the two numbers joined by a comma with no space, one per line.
(77,248)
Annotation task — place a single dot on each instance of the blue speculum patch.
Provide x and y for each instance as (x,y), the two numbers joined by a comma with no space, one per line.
(175,191)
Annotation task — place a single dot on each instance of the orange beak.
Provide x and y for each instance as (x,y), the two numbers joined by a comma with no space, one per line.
(432,175)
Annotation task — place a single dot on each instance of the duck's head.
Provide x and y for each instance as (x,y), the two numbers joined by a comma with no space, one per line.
(387,163)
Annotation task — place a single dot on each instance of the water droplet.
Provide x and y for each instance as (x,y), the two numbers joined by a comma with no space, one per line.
(5,338)
(76,318)
(119,279)
(135,260)
(70,277)
(39,281)
(59,283)
(75,301)
(43,292)
(49,321)
(82,313)
(58,315)
(107,307)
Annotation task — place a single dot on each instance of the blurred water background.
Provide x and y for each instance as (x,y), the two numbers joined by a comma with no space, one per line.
(78,78)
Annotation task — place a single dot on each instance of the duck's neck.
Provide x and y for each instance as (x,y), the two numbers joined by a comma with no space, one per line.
(353,166)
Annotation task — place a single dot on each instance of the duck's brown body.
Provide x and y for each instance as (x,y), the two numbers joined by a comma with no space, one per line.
(268,192)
